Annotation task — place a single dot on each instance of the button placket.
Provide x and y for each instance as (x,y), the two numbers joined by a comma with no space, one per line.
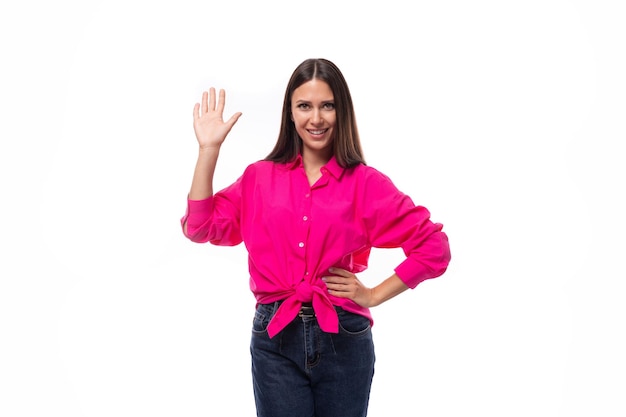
(305,217)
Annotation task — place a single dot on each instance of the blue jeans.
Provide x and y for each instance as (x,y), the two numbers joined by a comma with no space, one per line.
(305,372)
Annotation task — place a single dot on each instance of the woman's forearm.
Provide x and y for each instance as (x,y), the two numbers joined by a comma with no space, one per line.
(202,182)
(388,289)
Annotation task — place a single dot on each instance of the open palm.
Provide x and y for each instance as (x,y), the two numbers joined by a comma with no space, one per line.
(208,121)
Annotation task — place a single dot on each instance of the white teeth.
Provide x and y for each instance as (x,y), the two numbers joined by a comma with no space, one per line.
(316,132)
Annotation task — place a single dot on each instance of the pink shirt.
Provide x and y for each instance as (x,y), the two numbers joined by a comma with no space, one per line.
(294,232)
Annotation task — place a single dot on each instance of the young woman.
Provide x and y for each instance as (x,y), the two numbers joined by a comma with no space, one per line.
(309,214)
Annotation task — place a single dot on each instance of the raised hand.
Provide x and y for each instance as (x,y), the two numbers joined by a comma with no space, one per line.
(208,122)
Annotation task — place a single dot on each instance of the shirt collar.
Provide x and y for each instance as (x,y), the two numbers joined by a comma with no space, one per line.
(296,163)
(331,166)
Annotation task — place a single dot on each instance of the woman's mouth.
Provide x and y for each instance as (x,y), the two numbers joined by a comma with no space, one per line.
(317,132)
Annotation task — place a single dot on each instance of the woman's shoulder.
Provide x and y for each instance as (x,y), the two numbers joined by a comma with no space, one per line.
(262,167)
(259,165)
(370,173)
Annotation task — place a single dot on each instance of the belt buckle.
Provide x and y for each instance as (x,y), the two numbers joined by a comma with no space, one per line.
(306,312)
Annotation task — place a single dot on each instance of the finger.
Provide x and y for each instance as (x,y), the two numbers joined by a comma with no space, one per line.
(336,279)
(336,283)
(205,105)
(212,98)
(340,272)
(339,290)
(231,122)
(222,101)
(196,109)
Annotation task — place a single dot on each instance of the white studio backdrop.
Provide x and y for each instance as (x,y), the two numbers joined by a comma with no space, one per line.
(504,118)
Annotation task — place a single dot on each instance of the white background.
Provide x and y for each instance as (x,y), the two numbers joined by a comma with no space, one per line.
(504,118)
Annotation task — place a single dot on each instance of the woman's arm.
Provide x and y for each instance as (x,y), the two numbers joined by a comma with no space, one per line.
(345,284)
(211,131)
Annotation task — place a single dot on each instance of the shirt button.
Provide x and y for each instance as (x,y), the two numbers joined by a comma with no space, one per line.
(307,195)
(301,244)
(305,218)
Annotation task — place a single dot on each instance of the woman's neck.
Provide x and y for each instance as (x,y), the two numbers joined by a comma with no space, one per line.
(312,163)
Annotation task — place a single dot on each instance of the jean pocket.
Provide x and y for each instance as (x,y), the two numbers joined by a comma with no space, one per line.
(261,319)
(354,324)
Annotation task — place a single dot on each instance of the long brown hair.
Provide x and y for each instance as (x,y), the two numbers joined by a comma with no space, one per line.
(346,143)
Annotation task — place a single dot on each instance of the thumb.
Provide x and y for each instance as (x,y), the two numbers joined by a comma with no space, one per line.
(233,119)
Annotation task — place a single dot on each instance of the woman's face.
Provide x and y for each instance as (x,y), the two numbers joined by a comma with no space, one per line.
(313,114)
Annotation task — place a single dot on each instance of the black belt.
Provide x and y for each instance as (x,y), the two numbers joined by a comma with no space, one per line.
(306,310)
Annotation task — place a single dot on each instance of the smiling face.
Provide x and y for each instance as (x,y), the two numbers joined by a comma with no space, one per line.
(313,115)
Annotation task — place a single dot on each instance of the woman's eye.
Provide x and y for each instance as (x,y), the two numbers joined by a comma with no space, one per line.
(303,106)
(329,106)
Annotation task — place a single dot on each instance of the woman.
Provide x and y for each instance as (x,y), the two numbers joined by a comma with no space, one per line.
(309,214)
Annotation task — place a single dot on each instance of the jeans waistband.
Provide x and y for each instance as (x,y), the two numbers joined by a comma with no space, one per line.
(306,310)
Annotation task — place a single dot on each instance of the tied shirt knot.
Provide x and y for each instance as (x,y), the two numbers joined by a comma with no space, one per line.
(305,292)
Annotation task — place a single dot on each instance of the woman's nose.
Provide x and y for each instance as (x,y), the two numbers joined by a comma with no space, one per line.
(316,117)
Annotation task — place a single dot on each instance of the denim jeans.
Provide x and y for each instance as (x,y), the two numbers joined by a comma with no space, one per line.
(305,372)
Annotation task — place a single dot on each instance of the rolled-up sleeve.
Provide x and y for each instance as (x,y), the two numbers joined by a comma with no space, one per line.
(394,221)
(215,219)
